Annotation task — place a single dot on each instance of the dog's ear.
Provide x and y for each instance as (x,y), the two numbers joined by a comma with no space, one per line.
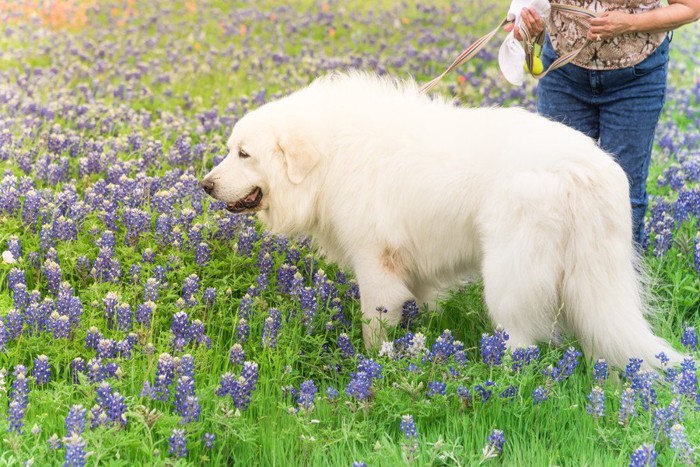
(299,153)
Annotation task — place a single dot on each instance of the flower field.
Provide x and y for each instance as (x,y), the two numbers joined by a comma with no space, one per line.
(143,324)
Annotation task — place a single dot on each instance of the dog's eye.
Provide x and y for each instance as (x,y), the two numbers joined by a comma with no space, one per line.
(242,154)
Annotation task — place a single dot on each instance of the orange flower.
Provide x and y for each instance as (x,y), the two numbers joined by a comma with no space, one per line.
(331,32)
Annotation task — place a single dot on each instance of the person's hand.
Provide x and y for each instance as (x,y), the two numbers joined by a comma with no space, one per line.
(608,25)
(531,21)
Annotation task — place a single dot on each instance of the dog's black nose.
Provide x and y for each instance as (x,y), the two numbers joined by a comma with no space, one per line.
(208,186)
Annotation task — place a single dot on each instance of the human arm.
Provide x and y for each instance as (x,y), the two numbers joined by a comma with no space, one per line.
(614,23)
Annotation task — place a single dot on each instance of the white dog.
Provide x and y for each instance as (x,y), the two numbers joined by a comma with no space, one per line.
(414,195)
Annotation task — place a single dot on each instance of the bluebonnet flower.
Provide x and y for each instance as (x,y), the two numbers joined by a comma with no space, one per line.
(600,371)
(75,421)
(627,407)
(13,324)
(644,456)
(465,396)
(297,283)
(42,370)
(20,297)
(77,366)
(144,313)
(307,395)
(408,427)
(184,366)
(186,402)
(523,356)
(106,348)
(165,375)
(332,394)
(190,289)
(663,358)
(633,367)
(666,417)
(109,305)
(180,328)
(75,450)
(236,355)
(642,383)
(240,389)
(360,384)
(509,393)
(596,402)
(245,241)
(197,335)
(345,346)
(4,336)
(14,247)
(483,390)
(124,317)
(436,387)
(689,338)
(539,395)
(493,347)
(148,256)
(685,453)
(242,330)
(271,328)
(93,337)
(409,313)
(444,347)
(265,264)
(307,301)
(209,296)
(19,395)
(285,274)
(494,444)
(151,290)
(566,366)
(246,307)
(209,439)
(60,325)
(177,443)
(52,272)
(685,381)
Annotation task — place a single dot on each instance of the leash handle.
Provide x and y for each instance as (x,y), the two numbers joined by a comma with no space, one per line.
(474,49)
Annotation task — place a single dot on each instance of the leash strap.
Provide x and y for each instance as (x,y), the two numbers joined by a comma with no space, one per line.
(528,42)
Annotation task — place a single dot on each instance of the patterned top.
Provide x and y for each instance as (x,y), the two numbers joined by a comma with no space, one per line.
(567,32)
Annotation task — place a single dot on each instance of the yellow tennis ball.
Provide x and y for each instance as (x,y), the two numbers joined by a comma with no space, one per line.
(537,66)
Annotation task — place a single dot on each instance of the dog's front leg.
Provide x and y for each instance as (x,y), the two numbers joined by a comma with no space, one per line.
(382,295)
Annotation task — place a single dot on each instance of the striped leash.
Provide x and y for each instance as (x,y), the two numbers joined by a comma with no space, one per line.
(528,44)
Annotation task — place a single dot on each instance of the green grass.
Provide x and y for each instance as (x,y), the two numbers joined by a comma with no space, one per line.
(558,431)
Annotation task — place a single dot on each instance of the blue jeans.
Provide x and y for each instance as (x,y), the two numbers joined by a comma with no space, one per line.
(617,108)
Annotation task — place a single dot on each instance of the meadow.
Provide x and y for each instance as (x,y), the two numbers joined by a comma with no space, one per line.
(143,324)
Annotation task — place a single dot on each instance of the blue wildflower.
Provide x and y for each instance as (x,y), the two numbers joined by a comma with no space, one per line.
(177,443)
(436,387)
(644,456)
(596,402)
(408,427)
(75,450)
(42,370)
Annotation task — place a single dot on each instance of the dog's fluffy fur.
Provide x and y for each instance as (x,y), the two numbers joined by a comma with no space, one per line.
(414,195)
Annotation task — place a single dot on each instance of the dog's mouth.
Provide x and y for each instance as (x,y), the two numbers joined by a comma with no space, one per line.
(249,202)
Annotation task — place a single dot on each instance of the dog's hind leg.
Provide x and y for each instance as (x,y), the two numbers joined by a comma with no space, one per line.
(521,284)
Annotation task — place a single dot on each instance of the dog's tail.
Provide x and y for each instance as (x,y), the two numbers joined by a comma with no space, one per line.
(603,288)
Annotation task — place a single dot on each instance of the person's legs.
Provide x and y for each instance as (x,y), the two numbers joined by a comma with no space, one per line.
(631,102)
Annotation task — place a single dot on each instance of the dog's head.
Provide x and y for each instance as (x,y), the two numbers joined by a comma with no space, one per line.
(270,155)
